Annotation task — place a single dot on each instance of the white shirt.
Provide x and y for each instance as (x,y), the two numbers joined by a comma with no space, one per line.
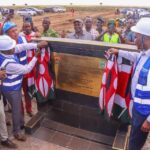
(134,57)
(15,69)
(94,33)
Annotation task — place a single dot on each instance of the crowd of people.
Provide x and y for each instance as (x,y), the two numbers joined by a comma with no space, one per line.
(16,61)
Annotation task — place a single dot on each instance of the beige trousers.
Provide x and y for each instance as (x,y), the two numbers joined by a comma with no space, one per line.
(3,127)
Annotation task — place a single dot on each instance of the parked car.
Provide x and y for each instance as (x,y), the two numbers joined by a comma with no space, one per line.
(4,11)
(24,12)
(38,11)
(55,9)
(124,10)
(144,14)
(50,9)
(61,9)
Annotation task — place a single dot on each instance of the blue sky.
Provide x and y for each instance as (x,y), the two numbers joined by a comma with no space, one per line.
(77,2)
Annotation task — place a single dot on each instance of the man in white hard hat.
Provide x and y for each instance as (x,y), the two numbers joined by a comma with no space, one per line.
(140,86)
(11,85)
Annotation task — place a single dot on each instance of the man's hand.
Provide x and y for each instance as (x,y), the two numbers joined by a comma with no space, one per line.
(146,126)
(2,74)
(113,51)
(37,53)
(42,44)
(110,52)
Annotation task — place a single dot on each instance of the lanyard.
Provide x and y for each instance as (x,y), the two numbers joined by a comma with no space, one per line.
(136,64)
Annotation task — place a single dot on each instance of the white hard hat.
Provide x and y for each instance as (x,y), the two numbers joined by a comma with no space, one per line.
(6,43)
(142,27)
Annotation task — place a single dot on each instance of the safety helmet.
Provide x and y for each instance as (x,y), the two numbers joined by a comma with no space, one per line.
(142,27)
(6,43)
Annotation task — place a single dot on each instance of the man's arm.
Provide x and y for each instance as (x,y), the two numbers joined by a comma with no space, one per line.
(128,55)
(132,56)
(25,46)
(17,69)
(100,38)
(29,46)
(130,43)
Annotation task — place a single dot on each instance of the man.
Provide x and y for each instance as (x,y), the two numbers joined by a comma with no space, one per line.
(89,27)
(79,32)
(99,25)
(3,128)
(47,31)
(28,18)
(111,35)
(10,29)
(128,35)
(140,86)
(28,34)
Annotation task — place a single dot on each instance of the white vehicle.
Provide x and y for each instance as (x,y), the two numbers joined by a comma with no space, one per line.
(129,12)
(62,9)
(25,12)
(143,13)
(38,11)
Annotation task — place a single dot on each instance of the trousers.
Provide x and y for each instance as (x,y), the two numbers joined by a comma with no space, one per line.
(15,99)
(137,136)
(3,127)
(28,104)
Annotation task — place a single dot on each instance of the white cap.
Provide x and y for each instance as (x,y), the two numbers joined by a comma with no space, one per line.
(6,43)
(142,27)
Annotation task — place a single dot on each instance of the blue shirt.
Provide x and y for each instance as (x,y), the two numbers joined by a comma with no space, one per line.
(129,35)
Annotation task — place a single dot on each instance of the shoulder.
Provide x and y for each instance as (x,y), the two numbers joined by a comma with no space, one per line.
(51,31)
(71,35)
(32,33)
(116,34)
(21,39)
(21,34)
(106,34)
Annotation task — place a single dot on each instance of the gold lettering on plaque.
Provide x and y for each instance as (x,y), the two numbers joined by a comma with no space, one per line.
(79,74)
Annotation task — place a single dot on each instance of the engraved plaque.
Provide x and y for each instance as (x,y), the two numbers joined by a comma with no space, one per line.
(79,74)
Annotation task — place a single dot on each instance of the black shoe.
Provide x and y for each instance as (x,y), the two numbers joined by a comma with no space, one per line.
(9,144)
(20,137)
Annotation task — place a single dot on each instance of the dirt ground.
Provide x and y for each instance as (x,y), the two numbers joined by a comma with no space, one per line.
(64,21)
